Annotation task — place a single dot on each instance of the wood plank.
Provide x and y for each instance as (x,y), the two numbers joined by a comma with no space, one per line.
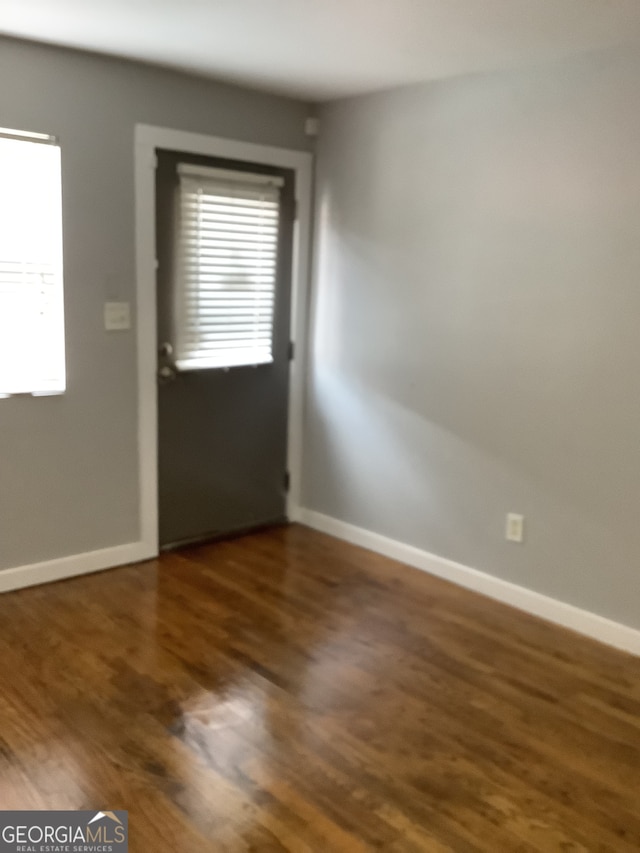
(285,691)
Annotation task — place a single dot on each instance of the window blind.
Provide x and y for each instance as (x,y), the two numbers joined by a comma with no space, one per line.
(31,299)
(226,267)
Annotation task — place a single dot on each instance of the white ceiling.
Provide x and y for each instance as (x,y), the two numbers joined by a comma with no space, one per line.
(320,49)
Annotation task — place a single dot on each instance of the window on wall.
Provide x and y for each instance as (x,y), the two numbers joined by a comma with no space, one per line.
(32,352)
(226,267)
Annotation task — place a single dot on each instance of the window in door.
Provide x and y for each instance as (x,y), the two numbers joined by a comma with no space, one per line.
(226,267)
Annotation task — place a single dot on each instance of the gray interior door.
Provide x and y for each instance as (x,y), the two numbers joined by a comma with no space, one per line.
(222,430)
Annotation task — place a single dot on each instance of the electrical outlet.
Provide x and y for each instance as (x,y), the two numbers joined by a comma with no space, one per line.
(514,531)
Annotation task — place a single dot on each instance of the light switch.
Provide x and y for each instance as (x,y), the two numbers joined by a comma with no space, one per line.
(117,316)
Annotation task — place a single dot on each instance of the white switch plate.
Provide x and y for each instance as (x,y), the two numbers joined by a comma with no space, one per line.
(117,316)
(514,531)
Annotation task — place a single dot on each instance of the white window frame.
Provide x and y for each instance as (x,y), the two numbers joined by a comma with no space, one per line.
(149,139)
(48,388)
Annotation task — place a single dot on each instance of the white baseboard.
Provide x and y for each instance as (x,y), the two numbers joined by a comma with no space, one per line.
(78,564)
(583,621)
(294,513)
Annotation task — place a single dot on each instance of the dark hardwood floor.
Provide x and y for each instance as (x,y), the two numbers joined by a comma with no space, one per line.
(288,692)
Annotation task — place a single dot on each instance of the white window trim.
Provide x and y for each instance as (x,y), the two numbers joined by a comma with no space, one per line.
(47,388)
(148,139)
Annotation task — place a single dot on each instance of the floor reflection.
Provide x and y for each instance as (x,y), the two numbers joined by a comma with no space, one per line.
(286,692)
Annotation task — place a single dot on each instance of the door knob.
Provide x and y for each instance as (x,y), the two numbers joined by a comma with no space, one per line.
(167,371)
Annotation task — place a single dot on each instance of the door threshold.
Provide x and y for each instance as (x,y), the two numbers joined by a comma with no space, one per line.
(219,536)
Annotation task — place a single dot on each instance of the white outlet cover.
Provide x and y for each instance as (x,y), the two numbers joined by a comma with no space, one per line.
(117,316)
(514,531)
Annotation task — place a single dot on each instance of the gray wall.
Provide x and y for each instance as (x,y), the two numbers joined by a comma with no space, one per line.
(477,310)
(68,465)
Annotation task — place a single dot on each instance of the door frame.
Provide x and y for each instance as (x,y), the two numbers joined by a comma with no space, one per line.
(149,138)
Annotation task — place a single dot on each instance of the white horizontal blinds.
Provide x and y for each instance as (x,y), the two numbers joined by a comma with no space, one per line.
(227,262)
(31,297)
